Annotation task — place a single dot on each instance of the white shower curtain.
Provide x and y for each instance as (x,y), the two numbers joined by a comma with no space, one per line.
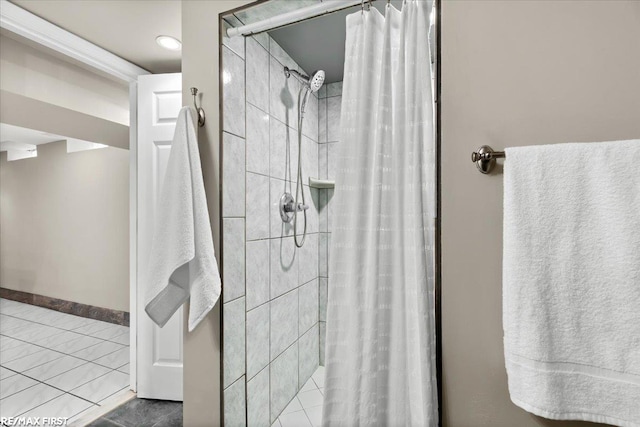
(380,342)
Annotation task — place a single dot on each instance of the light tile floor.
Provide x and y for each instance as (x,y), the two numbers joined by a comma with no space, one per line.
(54,364)
(305,410)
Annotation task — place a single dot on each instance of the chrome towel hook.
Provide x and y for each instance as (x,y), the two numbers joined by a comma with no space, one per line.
(194,92)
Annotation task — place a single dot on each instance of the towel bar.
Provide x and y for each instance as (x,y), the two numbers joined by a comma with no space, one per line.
(485,158)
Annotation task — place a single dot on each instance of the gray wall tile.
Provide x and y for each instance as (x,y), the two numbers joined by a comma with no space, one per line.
(323,217)
(257,74)
(284,322)
(309,160)
(283,151)
(308,300)
(257,206)
(323,160)
(322,120)
(323,254)
(308,263)
(322,93)
(236,44)
(332,160)
(257,339)
(281,55)
(269,9)
(233,176)
(233,260)
(257,140)
(257,267)
(323,289)
(330,207)
(310,122)
(323,333)
(234,404)
(234,341)
(277,189)
(284,266)
(312,199)
(334,89)
(309,355)
(284,380)
(333,118)
(233,93)
(283,95)
(283,299)
(258,400)
(263,39)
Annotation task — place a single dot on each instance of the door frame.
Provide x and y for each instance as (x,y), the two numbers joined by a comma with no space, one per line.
(133,236)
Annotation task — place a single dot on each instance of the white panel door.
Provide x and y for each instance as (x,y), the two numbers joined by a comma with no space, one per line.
(160,355)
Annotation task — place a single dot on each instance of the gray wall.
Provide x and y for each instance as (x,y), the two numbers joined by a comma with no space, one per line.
(64,225)
(515,73)
(55,80)
(200,68)
(485,75)
(270,311)
(329,107)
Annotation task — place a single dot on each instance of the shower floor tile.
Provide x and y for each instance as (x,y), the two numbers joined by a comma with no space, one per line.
(305,410)
(54,364)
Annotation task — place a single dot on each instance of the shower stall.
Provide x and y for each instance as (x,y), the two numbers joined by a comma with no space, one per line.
(274,293)
(280,141)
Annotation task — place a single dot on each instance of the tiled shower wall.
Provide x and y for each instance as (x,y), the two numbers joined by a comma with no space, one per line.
(329,135)
(270,288)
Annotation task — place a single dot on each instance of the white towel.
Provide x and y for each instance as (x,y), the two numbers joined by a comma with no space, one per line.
(182,263)
(571,280)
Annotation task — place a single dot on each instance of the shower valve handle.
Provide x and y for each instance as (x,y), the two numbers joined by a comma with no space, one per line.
(289,207)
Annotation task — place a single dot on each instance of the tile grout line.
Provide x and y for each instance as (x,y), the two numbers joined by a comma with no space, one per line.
(57,327)
(22,341)
(63,354)
(73,316)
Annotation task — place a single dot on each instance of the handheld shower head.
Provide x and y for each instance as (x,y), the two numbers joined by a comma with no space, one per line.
(309,85)
(314,83)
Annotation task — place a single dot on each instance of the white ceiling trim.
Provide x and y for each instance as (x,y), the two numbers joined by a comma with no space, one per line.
(17,20)
(20,146)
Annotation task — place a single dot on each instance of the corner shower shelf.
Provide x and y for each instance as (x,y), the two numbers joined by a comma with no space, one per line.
(321,183)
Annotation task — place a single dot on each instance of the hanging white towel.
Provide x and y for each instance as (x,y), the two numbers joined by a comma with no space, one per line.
(571,280)
(182,263)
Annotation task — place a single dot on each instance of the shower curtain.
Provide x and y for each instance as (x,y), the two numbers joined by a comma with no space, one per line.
(380,342)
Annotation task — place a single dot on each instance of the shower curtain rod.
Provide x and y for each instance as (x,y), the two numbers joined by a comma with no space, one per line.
(323,8)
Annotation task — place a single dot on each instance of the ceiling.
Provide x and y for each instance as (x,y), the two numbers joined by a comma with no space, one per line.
(127,28)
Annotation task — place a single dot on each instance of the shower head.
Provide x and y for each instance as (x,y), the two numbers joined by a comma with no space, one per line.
(314,83)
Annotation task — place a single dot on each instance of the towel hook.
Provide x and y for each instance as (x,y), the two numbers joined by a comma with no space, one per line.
(194,92)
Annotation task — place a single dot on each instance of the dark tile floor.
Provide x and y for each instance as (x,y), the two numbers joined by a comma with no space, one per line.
(143,413)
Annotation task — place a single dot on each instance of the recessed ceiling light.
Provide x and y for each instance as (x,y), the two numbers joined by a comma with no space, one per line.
(169,42)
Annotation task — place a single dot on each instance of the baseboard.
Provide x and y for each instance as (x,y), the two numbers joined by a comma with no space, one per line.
(77,309)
